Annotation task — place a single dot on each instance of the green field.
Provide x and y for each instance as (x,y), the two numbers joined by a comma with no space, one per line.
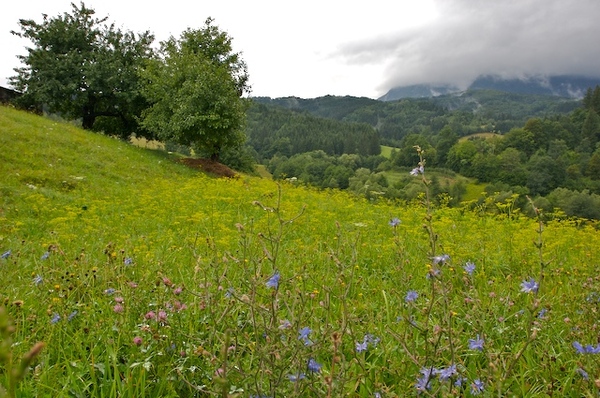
(143,277)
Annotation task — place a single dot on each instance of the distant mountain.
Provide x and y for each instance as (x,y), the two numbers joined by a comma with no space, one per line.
(419,91)
(566,86)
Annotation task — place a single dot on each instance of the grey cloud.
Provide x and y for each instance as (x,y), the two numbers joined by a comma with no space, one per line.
(508,38)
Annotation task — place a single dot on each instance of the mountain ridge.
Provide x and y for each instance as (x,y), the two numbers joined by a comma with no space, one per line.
(567,86)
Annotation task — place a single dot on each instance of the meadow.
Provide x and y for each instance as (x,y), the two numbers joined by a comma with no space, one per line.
(124,273)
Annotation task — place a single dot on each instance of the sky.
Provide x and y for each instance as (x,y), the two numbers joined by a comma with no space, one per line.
(314,48)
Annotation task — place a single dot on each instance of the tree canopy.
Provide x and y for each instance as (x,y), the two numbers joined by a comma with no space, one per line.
(82,68)
(195,90)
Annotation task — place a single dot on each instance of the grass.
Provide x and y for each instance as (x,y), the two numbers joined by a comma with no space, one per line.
(145,278)
(386,151)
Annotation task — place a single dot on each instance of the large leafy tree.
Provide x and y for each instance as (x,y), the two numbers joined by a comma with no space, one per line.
(83,68)
(196,89)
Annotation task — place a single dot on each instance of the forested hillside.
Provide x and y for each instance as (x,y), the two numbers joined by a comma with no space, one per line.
(542,146)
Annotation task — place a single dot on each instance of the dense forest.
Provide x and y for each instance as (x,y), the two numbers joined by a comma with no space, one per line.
(542,146)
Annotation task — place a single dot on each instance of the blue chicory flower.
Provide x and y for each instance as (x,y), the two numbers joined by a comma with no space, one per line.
(476,343)
(469,268)
(303,335)
(440,259)
(295,378)
(447,373)
(394,222)
(314,366)
(477,387)
(273,281)
(6,254)
(411,295)
(529,286)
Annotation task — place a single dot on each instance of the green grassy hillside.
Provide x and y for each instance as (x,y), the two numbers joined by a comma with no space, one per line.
(143,277)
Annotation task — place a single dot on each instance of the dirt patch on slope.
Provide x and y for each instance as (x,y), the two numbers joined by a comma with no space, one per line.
(209,166)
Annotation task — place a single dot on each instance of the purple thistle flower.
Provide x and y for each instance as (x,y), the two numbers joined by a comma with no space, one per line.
(411,295)
(476,343)
(469,268)
(477,387)
(394,222)
(529,286)
(314,366)
(273,281)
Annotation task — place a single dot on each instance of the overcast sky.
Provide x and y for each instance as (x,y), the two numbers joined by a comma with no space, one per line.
(319,47)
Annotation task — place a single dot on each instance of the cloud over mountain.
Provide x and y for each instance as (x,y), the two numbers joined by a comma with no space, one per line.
(511,38)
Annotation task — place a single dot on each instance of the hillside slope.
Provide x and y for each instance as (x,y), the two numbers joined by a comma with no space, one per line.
(143,277)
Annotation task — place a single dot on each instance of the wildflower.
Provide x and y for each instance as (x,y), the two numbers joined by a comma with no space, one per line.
(411,295)
(38,280)
(423,381)
(55,319)
(6,254)
(590,349)
(167,281)
(529,286)
(273,281)
(303,335)
(109,291)
(137,340)
(230,293)
(295,378)
(417,170)
(394,222)
(369,338)
(469,268)
(583,373)
(285,324)
(477,387)
(119,300)
(177,291)
(447,373)
(542,313)
(162,316)
(72,315)
(459,381)
(377,395)
(127,261)
(440,259)
(150,315)
(314,366)
(45,256)
(118,308)
(476,343)
(360,347)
